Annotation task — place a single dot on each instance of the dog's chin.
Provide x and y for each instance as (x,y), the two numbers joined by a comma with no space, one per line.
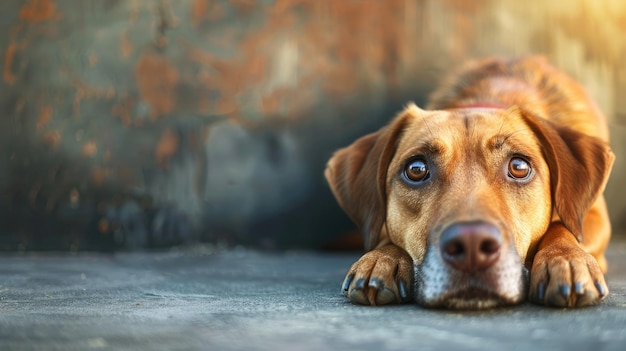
(470,293)
(471,299)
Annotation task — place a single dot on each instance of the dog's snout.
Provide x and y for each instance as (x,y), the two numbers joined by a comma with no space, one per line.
(471,246)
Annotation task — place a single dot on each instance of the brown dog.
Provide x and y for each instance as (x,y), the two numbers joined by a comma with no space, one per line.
(502,174)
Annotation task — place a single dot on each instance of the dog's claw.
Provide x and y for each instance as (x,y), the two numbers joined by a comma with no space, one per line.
(541,291)
(383,295)
(360,284)
(402,290)
(375,283)
(564,290)
(579,288)
(346,284)
(600,288)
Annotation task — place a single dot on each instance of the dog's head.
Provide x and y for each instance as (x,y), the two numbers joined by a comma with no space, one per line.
(468,193)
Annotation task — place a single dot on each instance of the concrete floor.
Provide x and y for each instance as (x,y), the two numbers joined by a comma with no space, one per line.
(198,299)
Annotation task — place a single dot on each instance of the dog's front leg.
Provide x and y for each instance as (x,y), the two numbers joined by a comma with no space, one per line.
(380,277)
(563,274)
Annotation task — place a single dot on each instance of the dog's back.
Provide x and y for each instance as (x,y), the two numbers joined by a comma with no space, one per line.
(531,83)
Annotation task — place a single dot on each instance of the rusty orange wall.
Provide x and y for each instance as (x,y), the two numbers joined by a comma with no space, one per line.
(146,123)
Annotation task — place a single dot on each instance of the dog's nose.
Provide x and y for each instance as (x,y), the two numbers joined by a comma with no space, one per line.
(470,246)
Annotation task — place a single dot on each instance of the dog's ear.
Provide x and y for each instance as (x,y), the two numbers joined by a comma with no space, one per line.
(579,169)
(357,176)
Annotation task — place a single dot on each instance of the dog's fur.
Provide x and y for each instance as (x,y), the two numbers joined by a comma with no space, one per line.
(553,223)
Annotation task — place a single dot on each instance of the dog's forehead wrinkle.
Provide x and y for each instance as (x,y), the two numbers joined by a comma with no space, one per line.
(432,148)
(465,131)
(498,141)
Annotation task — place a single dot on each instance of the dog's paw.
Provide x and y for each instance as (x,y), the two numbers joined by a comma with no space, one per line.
(380,277)
(566,277)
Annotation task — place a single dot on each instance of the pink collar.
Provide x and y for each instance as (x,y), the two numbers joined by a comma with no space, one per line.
(483,105)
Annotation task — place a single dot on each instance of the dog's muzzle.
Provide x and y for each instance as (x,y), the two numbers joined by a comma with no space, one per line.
(470,267)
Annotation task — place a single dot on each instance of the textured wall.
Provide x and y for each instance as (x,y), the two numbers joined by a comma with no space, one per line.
(148,123)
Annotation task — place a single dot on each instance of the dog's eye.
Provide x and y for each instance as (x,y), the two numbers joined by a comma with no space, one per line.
(417,170)
(519,168)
